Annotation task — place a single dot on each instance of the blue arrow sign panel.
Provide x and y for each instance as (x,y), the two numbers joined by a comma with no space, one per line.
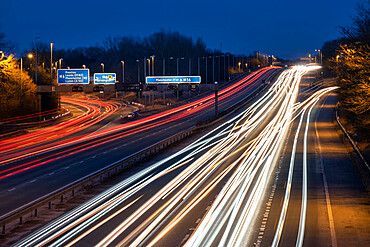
(105,78)
(73,76)
(172,79)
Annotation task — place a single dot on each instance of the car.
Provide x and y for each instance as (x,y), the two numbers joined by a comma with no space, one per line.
(130,116)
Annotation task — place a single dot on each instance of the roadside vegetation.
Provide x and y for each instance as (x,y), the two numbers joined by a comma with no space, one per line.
(349,59)
(18,90)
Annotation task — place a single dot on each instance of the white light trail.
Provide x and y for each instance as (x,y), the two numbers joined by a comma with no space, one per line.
(244,150)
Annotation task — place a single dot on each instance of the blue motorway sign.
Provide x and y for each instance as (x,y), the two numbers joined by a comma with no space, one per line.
(172,79)
(73,76)
(105,78)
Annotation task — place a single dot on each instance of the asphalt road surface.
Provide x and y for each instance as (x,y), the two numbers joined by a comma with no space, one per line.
(26,179)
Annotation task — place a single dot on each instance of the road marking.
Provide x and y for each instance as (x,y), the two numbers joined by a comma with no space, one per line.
(51,173)
(327,197)
(33,181)
(65,168)
(11,189)
(185,238)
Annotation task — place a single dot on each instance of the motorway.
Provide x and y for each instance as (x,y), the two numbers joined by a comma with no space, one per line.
(36,173)
(87,112)
(211,192)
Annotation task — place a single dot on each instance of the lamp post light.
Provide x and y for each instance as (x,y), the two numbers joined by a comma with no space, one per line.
(123,71)
(177,64)
(84,66)
(102,67)
(239,63)
(30,56)
(60,63)
(51,62)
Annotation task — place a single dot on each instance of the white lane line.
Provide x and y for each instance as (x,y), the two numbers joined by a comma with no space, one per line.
(33,181)
(327,197)
(11,189)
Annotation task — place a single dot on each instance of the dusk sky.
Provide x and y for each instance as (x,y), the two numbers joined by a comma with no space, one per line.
(287,28)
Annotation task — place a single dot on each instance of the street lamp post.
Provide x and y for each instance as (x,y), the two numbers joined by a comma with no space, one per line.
(138,71)
(102,67)
(216,99)
(84,66)
(206,69)
(224,67)
(239,63)
(153,64)
(213,68)
(51,63)
(60,63)
(219,68)
(164,67)
(21,72)
(177,64)
(123,72)
(36,59)
(148,59)
(198,65)
(189,66)
(228,65)
(320,54)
